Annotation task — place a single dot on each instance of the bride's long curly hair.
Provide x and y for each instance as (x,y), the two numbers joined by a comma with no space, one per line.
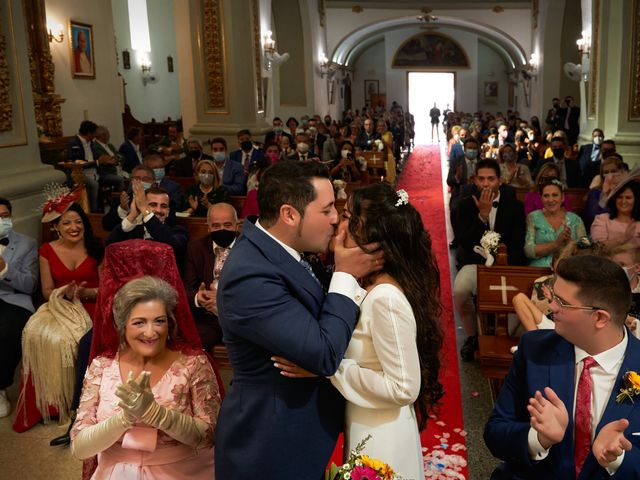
(408,258)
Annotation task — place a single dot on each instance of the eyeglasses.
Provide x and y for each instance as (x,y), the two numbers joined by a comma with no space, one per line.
(552,297)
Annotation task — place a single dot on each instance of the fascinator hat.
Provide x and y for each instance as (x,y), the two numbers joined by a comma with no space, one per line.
(59,199)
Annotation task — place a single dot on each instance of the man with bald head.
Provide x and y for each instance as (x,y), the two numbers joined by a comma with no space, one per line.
(205,258)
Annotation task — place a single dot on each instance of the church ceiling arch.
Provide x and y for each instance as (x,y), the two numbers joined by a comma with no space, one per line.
(351,46)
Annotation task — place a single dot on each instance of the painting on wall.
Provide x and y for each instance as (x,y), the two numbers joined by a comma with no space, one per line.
(82,51)
(491,93)
(430,50)
(371,87)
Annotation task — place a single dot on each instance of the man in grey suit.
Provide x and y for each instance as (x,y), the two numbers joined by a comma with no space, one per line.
(18,280)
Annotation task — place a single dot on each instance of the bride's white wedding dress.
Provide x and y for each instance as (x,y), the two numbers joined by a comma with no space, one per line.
(380,379)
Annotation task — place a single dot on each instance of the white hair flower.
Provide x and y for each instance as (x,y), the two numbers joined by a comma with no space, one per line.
(403,197)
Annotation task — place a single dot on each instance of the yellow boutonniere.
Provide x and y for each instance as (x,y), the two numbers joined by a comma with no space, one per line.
(631,387)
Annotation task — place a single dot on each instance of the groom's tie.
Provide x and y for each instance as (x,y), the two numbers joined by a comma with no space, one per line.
(307,267)
(583,416)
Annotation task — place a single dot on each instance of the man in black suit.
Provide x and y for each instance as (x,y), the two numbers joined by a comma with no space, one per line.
(368,136)
(131,149)
(277,133)
(494,207)
(147,219)
(569,167)
(570,120)
(231,173)
(79,149)
(205,258)
(553,116)
(316,138)
(185,166)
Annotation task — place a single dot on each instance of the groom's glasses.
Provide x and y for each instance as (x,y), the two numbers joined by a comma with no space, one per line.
(552,297)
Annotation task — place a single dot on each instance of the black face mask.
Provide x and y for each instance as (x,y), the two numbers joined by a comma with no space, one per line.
(558,152)
(246,146)
(195,154)
(223,238)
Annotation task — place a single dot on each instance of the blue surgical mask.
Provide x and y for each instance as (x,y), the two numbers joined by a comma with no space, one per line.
(159,174)
(146,185)
(6,225)
(219,156)
(471,154)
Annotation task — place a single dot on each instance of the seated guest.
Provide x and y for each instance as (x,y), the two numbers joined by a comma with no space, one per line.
(302,152)
(368,136)
(457,148)
(273,153)
(622,224)
(513,173)
(205,258)
(155,163)
(385,134)
(230,173)
(285,147)
(454,138)
(277,133)
(260,166)
(18,280)
(172,147)
(490,148)
(551,228)
(491,207)
(533,200)
(345,168)
(590,153)
(292,129)
(138,432)
(79,150)
(148,219)
(109,160)
(611,172)
(248,152)
(205,191)
(557,414)
(131,149)
(185,167)
(569,168)
(68,272)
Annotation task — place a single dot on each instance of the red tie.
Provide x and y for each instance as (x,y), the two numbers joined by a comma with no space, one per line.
(221,254)
(583,416)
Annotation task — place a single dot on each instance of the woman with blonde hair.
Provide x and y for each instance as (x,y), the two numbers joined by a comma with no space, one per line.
(513,173)
(533,200)
(206,190)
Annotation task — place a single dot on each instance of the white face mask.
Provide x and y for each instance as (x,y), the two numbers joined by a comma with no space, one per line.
(597,140)
(531,136)
(206,178)
(345,153)
(302,147)
(6,225)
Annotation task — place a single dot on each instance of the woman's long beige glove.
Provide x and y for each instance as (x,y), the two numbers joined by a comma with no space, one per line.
(94,439)
(137,400)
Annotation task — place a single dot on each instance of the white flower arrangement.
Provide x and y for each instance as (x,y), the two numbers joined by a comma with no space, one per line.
(379,145)
(403,197)
(488,247)
(339,187)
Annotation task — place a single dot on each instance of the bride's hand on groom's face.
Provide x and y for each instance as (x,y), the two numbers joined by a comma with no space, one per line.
(290,369)
(353,259)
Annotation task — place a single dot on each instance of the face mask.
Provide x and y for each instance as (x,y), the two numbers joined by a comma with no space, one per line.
(194,154)
(305,122)
(206,179)
(345,153)
(146,185)
(558,152)
(493,141)
(6,225)
(277,128)
(302,147)
(465,125)
(456,137)
(219,157)
(158,173)
(531,136)
(471,154)
(274,157)
(223,238)
(246,146)
(597,140)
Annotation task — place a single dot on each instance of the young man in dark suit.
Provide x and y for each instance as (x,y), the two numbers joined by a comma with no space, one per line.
(557,415)
(270,304)
(492,206)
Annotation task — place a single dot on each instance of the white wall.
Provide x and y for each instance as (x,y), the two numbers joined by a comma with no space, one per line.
(159,99)
(371,65)
(491,68)
(99,99)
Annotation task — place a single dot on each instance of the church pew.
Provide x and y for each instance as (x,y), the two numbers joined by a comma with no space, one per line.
(497,285)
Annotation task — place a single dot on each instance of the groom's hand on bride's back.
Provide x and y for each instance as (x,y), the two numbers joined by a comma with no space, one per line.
(354,260)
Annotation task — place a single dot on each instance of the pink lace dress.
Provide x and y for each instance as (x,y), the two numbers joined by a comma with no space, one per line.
(189,386)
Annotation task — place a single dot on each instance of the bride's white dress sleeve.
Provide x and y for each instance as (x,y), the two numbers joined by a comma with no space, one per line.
(397,380)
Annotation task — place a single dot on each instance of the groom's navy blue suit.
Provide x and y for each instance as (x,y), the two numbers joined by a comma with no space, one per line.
(270,426)
(545,359)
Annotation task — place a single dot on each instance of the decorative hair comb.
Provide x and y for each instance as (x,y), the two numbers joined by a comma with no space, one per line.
(59,199)
(584,242)
(403,197)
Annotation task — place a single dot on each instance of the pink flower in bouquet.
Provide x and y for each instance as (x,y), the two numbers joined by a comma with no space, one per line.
(364,473)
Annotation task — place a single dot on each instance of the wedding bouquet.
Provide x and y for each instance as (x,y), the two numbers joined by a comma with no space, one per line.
(488,247)
(379,145)
(361,467)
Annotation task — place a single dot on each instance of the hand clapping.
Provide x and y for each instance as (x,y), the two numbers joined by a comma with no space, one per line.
(611,442)
(135,395)
(549,417)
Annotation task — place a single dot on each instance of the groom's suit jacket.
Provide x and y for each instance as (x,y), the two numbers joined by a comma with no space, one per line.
(545,359)
(271,426)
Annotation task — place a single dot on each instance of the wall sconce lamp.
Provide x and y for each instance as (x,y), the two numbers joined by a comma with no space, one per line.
(584,43)
(328,68)
(271,57)
(145,66)
(55,31)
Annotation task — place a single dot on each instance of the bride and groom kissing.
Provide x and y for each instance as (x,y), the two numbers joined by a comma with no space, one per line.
(362,357)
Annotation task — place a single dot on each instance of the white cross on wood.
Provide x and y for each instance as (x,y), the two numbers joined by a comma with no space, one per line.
(504,288)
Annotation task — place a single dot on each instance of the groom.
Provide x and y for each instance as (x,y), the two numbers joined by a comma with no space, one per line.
(270,303)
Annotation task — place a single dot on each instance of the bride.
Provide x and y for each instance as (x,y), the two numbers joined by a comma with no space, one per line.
(389,375)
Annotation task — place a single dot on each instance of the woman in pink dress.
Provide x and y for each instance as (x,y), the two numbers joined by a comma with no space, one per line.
(149,406)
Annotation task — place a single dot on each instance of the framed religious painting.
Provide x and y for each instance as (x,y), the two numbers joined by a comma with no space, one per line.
(371,87)
(82,56)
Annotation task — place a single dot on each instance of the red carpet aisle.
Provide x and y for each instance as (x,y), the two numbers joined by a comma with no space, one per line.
(443,440)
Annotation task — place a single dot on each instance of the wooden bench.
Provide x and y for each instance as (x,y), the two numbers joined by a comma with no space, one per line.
(497,285)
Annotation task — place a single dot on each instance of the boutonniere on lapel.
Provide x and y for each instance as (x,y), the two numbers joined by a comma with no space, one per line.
(488,248)
(631,387)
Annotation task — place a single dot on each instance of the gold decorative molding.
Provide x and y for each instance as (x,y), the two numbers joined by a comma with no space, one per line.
(257,54)
(214,54)
(595,57)
(634,98)
(6,109)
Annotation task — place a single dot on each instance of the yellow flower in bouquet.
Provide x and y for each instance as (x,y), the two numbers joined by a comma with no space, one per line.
(634,379)
(379,466)
(631,387)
